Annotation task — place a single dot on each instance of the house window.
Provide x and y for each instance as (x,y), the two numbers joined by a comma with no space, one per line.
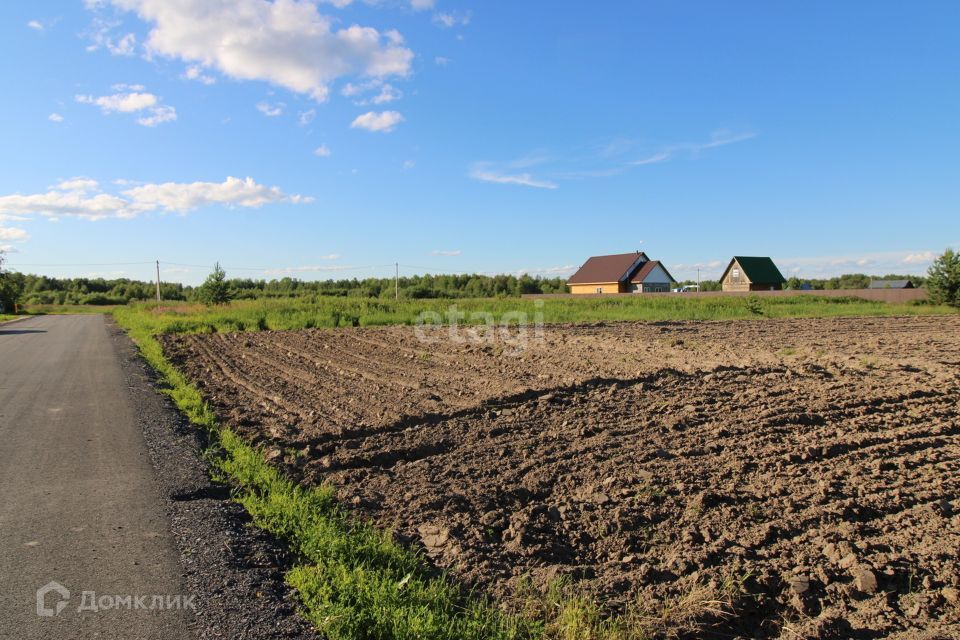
(735,275)
(599,289)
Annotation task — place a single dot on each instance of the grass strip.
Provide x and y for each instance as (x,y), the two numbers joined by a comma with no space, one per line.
(354,581)
(319,311)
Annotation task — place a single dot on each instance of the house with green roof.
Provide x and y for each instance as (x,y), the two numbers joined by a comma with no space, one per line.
(751,273)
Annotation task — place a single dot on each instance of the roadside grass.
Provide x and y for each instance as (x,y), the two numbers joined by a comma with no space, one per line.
(58,309)
(4,317)
(311,312)
(354,581)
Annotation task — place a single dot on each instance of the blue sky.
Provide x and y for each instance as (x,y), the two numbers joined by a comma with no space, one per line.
(332,139)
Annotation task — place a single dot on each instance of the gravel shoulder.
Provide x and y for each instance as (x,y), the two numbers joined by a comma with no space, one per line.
(235,571)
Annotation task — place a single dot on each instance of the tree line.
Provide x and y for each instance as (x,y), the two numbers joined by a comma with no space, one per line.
(943,281)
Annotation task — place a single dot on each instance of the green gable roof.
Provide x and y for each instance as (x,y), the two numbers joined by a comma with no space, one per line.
(760,270)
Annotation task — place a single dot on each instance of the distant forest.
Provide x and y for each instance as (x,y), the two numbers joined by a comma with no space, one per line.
(99,291)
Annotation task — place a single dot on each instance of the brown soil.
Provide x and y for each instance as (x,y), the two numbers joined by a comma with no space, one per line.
(813,464)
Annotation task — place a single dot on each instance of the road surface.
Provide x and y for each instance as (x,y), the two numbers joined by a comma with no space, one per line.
(79,505)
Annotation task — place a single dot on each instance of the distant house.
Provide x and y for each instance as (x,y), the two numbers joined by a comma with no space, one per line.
(749,273)
(621,273)
(891,284)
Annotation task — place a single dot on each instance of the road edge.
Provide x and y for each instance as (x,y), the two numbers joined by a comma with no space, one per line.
(235,571)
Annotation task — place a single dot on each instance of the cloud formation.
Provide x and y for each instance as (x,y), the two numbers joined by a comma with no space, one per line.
(445,253)
(485,173)
(384,121)
(271,110)
(610,160)
(287,43)
(13,233)
(132,99)
(83,198)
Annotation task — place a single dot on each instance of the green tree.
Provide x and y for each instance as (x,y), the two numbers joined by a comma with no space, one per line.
(11,287)
(943,282)
(215,289)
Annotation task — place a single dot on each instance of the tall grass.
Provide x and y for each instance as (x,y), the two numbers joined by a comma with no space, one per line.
(305,313)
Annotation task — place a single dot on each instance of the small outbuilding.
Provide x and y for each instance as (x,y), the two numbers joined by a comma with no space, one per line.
(752,273)
(621,273)
(891,284)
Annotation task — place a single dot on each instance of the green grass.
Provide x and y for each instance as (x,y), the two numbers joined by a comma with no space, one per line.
(57,309)
(305,313)
(354,581)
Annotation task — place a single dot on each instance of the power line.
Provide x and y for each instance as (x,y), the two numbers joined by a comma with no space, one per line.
(77,264)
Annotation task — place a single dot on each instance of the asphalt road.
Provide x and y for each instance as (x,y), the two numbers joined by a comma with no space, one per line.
(79,503)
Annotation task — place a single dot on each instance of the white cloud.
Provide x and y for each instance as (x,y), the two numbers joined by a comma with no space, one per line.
(77,184)
(73,198)
(122,102)
(323,151)
(36,25)
(13,233)
(387,92)
(354,89)
(449,20)
(385,121)
(132,98)
(442,61)
(422,5)
(312,268)
(271,110)
(55,117)
(484,173)
(195,72)
(561,270)
(306,117)
(125,46)
(663,156)
(8,248)
(719,138)
(409,164)
(158,115)
(446,253)
(922,257)
(287,43)
(101,36)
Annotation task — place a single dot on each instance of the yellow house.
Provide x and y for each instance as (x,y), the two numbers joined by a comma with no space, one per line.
(621,273)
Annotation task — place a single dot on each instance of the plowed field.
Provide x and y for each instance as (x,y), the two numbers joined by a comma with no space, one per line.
(804,475)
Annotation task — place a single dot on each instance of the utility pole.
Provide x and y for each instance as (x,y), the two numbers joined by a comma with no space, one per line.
(698,279)
(158,281)
(396,281)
